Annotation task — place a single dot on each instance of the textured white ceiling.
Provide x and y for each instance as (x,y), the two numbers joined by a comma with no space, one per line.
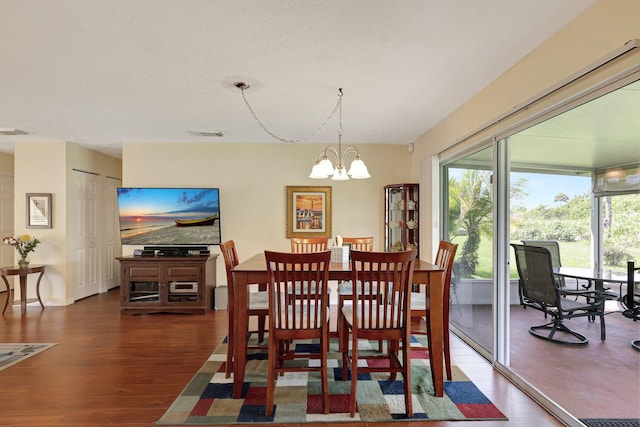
(100,73)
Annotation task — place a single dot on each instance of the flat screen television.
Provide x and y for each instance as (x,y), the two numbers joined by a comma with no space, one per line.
(169,216)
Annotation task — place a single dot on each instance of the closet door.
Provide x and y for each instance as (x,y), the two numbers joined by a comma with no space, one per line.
(85,237)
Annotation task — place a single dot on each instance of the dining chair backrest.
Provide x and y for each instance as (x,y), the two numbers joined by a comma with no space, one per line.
(382,286)
(231,259)
(307,307)
(359,243)
(301,245)
(444,259)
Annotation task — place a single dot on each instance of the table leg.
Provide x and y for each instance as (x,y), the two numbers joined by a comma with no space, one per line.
(240,306)
(23,294)
(38,289)
(436,327)
(9,294)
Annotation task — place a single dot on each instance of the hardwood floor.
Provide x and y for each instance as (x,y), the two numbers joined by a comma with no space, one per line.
(114,370)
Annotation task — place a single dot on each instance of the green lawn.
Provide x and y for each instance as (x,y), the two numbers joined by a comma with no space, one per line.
(573,254)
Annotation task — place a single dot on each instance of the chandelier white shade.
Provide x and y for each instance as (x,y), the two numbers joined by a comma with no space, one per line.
(324,168)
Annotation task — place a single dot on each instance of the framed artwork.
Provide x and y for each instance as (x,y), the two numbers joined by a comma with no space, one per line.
(38,210)
(308,211)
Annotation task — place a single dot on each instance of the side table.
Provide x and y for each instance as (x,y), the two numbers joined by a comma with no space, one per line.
(23,273)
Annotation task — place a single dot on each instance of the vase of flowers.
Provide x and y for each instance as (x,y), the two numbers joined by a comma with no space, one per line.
(24,244)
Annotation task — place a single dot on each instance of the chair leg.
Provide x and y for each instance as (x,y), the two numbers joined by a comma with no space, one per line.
(446,342)
(324,344)
(271,375)
(393,347)
(344,346)
(339,323)
(354,377)
(406,377)
(447,354)
(230,336)
(262,319)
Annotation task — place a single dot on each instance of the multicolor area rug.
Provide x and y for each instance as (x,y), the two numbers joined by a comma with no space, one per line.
(207,399)
(12,353)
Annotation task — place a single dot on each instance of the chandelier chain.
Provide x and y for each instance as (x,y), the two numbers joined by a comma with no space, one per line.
(338,105)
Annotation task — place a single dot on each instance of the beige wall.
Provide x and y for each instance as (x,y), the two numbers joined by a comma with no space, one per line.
(6,163)
(45,167)
(39,168)
(253,178)
(600,30)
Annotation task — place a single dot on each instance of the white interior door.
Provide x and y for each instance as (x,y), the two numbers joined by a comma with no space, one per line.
(85,234)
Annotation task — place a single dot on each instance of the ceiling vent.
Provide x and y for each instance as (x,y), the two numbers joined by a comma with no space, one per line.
(210,133)
(12,132)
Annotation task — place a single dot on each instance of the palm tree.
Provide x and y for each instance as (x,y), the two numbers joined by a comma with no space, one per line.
(470,212)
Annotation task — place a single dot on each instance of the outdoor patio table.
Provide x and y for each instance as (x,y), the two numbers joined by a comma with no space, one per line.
(597,276)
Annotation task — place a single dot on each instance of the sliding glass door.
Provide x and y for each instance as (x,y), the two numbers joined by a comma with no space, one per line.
(469,224)
(571,176)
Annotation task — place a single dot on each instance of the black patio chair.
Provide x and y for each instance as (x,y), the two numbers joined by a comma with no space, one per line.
(631,301)
(541,292)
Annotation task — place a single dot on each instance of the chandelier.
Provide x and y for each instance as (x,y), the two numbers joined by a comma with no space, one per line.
(323,167)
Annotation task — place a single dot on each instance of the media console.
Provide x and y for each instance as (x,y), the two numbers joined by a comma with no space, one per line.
(167,283)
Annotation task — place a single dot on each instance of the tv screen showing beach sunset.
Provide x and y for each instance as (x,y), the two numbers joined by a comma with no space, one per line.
(169,216)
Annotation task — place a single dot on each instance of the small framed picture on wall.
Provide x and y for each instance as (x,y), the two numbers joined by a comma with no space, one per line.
(38,210)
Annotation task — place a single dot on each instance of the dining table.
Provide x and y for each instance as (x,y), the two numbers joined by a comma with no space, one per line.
(254,271)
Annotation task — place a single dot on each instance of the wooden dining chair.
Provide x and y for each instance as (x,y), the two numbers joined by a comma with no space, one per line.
(359,243)
(301,245)
(344,287)
(258,303)
(303,317)
(381,296)
(419,307)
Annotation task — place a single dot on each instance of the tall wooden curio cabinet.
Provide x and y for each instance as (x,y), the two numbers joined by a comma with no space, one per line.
(401,217)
